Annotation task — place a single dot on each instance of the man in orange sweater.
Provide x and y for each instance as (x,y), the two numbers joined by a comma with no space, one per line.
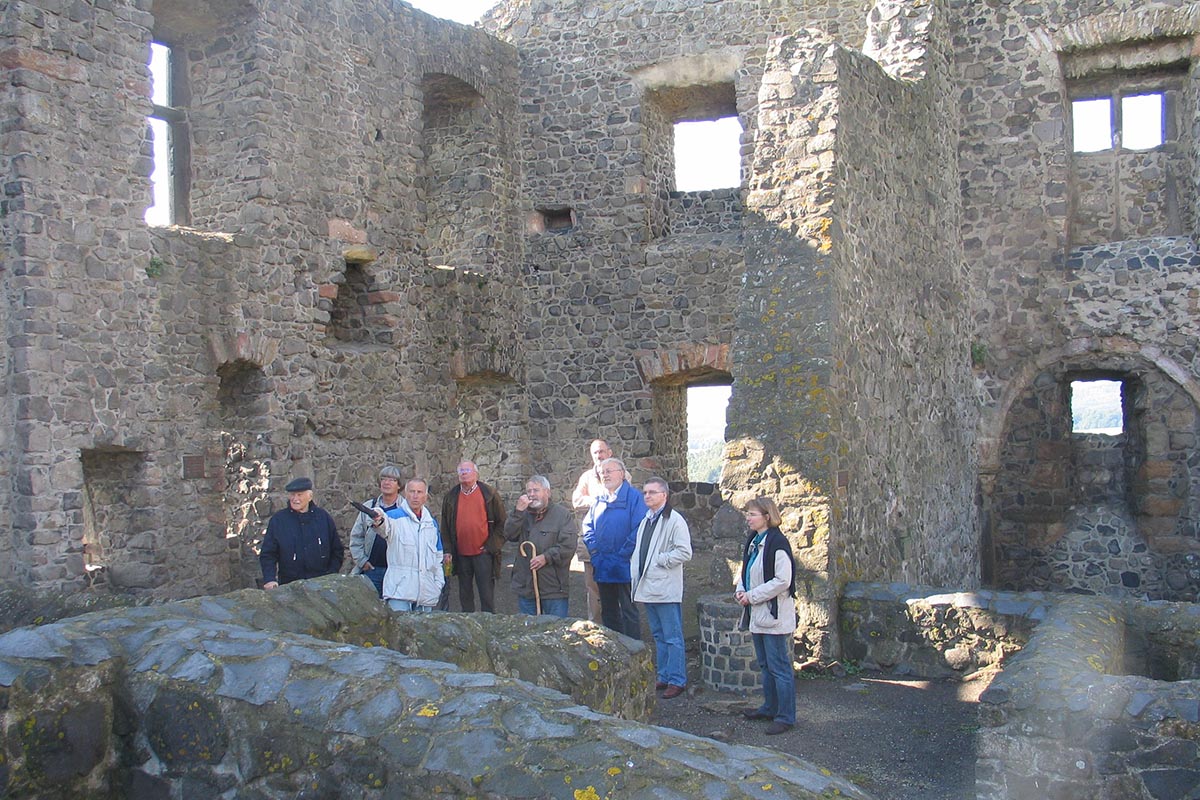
(473,533)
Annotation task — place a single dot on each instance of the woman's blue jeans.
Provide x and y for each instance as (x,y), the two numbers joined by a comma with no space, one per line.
(774,654)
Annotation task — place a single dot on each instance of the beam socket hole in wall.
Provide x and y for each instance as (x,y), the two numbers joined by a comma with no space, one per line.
(706,409)
(356,314)
(555,219)
(1097,407)
(244,391)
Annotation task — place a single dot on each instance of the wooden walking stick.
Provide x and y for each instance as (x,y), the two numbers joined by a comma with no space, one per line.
(537,596)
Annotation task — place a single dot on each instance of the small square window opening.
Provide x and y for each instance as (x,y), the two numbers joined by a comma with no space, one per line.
(708,154)
(1097,407)
(1092,125)
(1142,121)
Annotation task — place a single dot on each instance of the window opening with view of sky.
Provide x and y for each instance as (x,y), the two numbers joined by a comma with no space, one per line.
(170,141)
(1141,122)
(1096,407)
(708,155)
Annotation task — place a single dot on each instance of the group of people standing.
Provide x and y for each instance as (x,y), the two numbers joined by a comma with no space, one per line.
(632,542)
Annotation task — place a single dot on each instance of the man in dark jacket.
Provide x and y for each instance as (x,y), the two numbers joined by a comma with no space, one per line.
(301,540)
(472,532)
(542,570)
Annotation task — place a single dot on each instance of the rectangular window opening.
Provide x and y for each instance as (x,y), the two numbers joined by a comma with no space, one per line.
(706,407)
(1091,123)
(1143,121)
(167,123)
(708,154)
(1097,407)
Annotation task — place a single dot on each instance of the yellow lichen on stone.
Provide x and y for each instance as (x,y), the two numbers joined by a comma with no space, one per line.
(587,794)
(428,710)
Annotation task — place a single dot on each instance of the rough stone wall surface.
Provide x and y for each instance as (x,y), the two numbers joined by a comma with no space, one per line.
(1040,304)
(212,345)
(905,459)
(934,633)
(1145,474)
(616,285)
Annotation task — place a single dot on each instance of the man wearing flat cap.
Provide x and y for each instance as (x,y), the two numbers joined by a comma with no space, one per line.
(301,540)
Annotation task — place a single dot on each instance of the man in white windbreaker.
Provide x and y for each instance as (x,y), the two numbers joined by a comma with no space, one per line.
(414,577)
(663,546)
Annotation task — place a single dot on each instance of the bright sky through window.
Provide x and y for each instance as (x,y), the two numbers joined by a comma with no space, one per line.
(708,155)
(1141,121)
(160,179)
(465,11)
(1092,121)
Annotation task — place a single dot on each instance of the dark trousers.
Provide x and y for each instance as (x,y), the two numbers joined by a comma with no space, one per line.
(618,611)
(476,572)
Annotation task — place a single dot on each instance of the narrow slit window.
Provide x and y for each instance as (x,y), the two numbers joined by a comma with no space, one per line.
(708,154)
(1096,407)
(168,130)
(1092,125)
(1142,121)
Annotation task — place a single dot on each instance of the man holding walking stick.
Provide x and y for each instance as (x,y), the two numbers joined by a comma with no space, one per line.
(541,570)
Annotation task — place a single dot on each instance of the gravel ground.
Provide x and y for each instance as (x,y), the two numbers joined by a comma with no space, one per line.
(897,739)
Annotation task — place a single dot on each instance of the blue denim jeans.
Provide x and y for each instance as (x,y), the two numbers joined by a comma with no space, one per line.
(375,574)
(556,607)
(666,626)
(407,605)
(774,654)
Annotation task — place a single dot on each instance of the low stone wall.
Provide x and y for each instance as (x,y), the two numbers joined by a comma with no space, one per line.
(1099,698)
(287,693)
(935,633)
(1061,721)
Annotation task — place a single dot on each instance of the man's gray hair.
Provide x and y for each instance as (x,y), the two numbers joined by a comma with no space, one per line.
(661,483)
(540,480)
(391,471)
(616,461)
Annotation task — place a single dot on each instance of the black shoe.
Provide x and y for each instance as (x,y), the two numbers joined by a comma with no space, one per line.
(659,686)
(776,728)
(672,691)
(754,713)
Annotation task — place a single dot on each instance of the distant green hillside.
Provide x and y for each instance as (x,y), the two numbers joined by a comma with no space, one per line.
(704,461)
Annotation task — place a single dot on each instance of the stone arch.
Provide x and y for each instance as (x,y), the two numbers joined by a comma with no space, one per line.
(992,425)
(1094,512)
(245,421)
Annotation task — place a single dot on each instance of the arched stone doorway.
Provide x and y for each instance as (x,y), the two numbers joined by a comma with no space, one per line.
(1096,513)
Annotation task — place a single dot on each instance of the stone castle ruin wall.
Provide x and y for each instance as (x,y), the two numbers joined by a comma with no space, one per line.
(412,241)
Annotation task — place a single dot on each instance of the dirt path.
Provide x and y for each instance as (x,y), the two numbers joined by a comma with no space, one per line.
(898,739)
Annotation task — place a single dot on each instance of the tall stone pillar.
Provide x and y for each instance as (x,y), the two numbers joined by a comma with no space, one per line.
(781,421)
